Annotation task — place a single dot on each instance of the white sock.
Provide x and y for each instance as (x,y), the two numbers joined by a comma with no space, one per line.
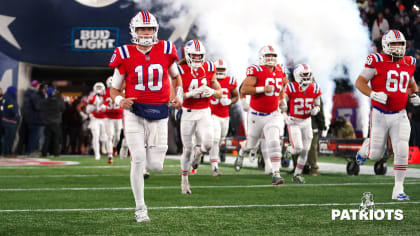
(137,183)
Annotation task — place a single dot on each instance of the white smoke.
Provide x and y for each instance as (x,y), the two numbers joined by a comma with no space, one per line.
(323,34)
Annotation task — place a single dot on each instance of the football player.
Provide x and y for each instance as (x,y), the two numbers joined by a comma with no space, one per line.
(265,83)
(145,67)
(304,100)
(390,74)
(113,121)
(220,111)
(96,109)
(199,83)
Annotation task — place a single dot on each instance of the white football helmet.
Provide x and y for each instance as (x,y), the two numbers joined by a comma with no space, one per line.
(393,36)
(144,19)
(269,61)
(303,75)
(194,47)
(109,82)
(221,69)
(99,88)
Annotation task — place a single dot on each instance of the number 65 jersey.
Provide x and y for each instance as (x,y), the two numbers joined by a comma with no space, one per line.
(392,78)
(146,75)
(266,102)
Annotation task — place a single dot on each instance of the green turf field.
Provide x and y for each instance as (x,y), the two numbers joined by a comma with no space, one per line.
(94,198)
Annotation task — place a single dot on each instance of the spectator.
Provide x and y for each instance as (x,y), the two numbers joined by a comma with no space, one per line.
(32,117)
(52,109)
(379,27)
(318,125)
(389,17)
(10,119)
(342,128)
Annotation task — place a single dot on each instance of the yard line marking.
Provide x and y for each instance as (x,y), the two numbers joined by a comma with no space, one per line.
(207,207)
(197,187)
(70,167)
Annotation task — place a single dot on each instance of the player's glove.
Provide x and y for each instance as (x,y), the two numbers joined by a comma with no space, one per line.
(102,108)
(315,110)
(245,105)
(206,91)
(380,97)
(415,99)
(193,93)
(283,106)
(225,101)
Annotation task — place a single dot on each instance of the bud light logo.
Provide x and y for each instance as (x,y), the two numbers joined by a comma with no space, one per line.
(94,38)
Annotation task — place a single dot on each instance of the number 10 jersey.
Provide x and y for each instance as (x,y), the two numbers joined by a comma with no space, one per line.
(146,75)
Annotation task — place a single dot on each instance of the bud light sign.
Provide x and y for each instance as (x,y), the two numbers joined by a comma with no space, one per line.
(94,38)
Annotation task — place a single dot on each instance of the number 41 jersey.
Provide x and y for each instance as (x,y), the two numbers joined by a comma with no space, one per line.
(146,75)
(392,78)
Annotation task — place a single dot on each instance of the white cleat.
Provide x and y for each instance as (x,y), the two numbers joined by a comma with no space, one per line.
(216,172)
(141,214)
(252,155)
(197,158)
(400,197)
(185,187)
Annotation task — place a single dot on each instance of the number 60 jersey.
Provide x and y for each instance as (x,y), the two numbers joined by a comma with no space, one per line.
(392,78)
(146,75)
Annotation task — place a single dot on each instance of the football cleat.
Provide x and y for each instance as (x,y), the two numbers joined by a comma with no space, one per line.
(146,175)
(360,160)
(193,171)
(401,197)
(110,160)
(197,158)
(298,179)
(238,162)
(252,155)
(185,187)
(141,214)
(216,172)
(277,179)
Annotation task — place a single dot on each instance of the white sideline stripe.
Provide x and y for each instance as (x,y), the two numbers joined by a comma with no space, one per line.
(208,207)
(199,187)
(58,176)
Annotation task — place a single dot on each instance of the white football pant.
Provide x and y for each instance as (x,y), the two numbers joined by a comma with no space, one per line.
(113,129)
(397,127)
(198,123)
(300,138)
(271,128)
(220,128)
(97,127)
(147,141)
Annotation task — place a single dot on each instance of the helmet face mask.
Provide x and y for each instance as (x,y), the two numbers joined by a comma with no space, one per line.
(195,54)
(393,43)
(267,56)
(221,69)
(99,88)
(303,75)
(140,26)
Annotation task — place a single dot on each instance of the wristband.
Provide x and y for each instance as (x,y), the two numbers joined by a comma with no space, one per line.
(259,89)
(118,99)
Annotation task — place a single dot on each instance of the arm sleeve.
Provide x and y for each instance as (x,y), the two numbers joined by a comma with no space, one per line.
(117,79)
(368,73)
(173,70)
(116,61)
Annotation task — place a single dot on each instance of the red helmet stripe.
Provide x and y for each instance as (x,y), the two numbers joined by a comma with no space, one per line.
(305,66)
(396,33)
(197,45)
(220,62)
(270,48)
(146,17)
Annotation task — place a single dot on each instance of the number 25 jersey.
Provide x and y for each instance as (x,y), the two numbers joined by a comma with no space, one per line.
(392,78)
(146,75)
